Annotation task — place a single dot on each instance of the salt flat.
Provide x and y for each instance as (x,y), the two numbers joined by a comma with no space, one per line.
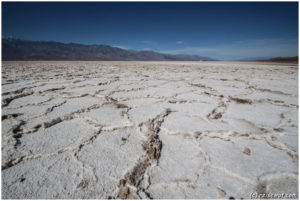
(161,130)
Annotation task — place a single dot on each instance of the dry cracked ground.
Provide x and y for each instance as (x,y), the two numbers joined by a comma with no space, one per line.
(148,130)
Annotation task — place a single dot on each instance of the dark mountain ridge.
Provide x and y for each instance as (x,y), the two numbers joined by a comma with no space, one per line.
(273,59)
(284,59)
(18,49)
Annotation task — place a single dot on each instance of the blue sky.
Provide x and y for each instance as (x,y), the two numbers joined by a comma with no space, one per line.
(219,30)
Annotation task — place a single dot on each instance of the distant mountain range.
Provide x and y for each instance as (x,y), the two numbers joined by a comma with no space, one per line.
(253,58)
(18,49)
(284,59)
(274,59)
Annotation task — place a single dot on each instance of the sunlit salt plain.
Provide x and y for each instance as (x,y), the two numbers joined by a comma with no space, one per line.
(161,130)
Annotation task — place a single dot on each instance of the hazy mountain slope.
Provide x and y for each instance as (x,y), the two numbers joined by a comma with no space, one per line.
(17,49)
(285,59)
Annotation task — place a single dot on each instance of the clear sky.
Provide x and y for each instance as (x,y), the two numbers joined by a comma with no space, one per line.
(219,30)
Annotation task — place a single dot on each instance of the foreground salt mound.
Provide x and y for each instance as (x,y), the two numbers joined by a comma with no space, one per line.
(149,130)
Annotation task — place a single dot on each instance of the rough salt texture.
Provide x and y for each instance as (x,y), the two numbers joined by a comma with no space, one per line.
(148,130)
